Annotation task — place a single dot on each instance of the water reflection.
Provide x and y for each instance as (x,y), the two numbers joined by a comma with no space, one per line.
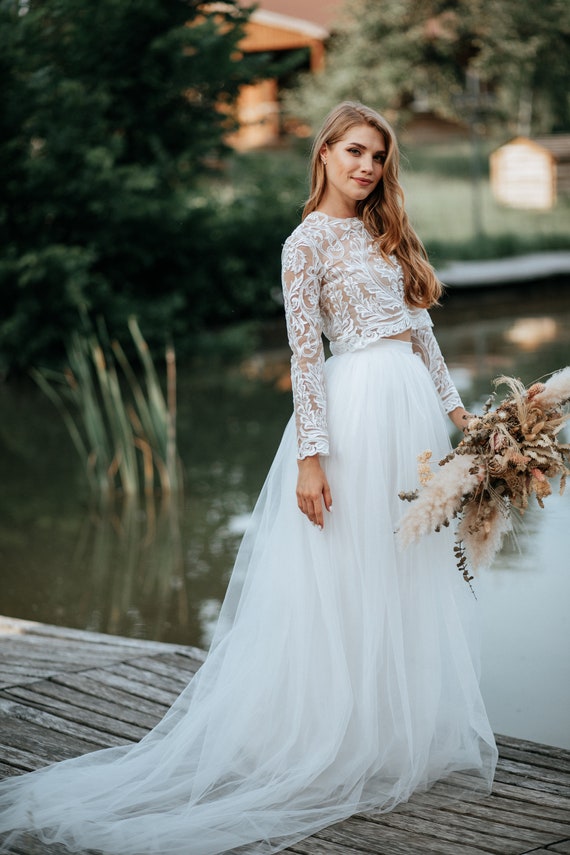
(132,563)
(524,602)
(532,333)
(160,570)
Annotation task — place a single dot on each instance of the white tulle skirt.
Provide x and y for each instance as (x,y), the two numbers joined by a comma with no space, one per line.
(343,673)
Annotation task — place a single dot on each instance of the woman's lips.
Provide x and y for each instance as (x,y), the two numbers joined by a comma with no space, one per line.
(364,182)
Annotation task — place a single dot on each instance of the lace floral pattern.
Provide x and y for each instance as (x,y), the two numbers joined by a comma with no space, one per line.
(336,282)
(425,344)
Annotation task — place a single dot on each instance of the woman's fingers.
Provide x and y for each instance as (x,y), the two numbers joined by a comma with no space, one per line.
(316,516)
(312,506)
(327,496)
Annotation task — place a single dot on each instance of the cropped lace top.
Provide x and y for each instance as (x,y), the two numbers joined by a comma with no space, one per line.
(336,282)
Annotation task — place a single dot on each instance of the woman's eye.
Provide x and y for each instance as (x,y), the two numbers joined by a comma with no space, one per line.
(380,158)
(354,150)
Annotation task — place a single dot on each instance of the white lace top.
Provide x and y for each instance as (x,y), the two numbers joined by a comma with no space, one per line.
(335,281)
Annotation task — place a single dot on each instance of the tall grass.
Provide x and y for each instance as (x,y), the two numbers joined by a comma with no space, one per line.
(123,428)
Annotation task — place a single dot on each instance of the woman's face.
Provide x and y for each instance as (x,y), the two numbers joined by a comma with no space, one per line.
(354,167)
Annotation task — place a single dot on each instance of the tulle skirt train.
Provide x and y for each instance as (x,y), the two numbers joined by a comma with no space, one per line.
(343,673)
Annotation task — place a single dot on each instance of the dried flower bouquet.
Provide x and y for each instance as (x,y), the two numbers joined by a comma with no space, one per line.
(506,455)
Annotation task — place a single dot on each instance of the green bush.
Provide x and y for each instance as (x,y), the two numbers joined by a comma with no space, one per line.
(110,116)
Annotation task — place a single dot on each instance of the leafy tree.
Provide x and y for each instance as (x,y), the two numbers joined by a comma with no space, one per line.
(391,53)
(525,56)
(111,113)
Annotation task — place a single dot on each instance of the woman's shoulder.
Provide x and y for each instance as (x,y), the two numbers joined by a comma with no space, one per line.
(308,231)
(319,231)
(302,246)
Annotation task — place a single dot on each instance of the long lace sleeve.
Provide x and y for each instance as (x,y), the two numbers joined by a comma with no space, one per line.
(425,343)
(301,294)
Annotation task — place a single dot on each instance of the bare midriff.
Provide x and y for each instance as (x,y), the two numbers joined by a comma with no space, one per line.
(402,336)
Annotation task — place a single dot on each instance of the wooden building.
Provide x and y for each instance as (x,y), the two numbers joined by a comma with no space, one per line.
(258,104)
(279,27)
(531,172)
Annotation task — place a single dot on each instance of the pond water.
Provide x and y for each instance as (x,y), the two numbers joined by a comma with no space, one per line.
(160,570)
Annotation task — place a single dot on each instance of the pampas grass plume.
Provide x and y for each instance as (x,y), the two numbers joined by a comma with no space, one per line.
(482,539)
(440,499)
(556,390)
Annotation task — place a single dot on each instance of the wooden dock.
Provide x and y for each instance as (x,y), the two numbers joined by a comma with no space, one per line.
(64,692)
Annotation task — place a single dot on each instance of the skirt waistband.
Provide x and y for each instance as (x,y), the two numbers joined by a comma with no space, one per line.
(382,344)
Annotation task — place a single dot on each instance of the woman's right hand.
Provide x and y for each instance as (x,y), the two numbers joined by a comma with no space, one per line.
(312,490)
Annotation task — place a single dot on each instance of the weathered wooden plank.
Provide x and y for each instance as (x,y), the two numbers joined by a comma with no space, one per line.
(42,741)
(106,723)
(159,665)
(557,761)
(538,852)
(136,676)
(95,702)
(485,830)
(27,670)
(84,706)
(136,687)
(167,684)
(10,627)
(370,837)
(23,761)
(40,650)
(314,846)
(24,714)
(487,837)
(532,747)
(562,848)
(533,798)
(498,810)
(7,770)
(193,653)
(525,812)
(37,651)
(171,658)
(18,670)
(538,773)
(529,783)
(92,687)
(177,658)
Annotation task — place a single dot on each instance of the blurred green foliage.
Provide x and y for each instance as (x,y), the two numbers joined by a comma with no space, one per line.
(112,113)
(402,55)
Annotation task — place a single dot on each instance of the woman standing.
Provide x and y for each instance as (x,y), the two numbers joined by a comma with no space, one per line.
(342,675)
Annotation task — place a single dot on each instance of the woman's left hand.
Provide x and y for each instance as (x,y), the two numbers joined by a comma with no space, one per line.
(461,418)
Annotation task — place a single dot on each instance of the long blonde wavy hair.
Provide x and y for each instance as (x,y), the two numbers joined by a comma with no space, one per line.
(382,212)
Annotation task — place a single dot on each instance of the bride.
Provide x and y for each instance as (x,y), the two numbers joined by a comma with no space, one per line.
(342,676)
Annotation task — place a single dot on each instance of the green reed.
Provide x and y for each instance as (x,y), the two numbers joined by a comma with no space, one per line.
(123,427)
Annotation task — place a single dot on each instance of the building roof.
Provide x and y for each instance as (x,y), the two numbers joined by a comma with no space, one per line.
(558,145)
(279,21)
(320,12)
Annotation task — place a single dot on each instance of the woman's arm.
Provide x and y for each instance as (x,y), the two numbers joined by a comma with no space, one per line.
(425,344)
(301,294)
